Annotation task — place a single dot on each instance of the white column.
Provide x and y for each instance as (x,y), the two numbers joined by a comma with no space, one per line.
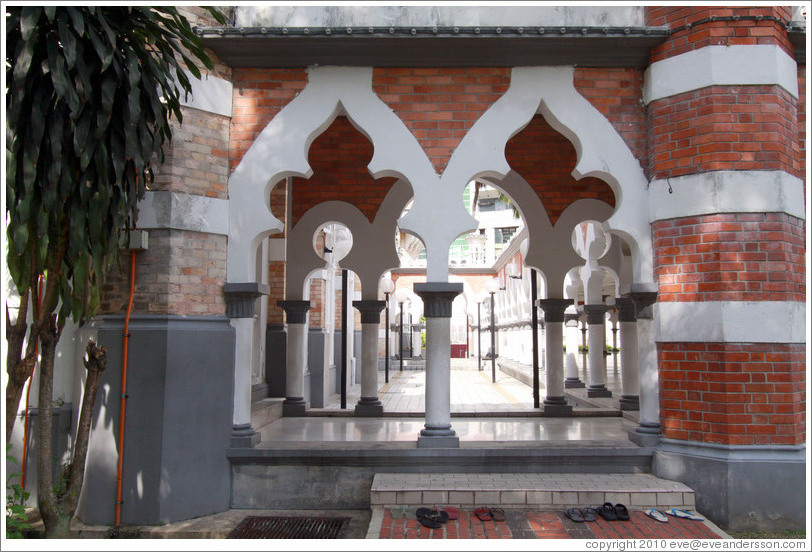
(629,373)
(296,361)
(555,403)
(596,338)
(241,300)
(573,338)
(648,431)
(369,405)
(437,300)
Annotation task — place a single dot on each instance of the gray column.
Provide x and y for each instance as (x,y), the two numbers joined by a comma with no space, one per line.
(572,335)
(241,299)
(555,404)
(296,357)
(648,432)
(596,335)
(437,299)
(369,405)
(629,373)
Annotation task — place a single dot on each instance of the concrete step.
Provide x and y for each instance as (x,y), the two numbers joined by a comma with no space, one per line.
(547,491)
(266,411)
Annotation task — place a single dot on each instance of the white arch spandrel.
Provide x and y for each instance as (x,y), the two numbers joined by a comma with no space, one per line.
(281,149)
(600,150)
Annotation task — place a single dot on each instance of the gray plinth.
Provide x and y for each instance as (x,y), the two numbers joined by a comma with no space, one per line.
(574,384)
(369,408)
(294,406)
(180,388)
(438,438)
(630,402)
(646,435)
(557,406)
(244,436)
(599,391)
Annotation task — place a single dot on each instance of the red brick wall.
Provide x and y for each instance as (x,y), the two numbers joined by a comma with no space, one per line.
(545,159)
(618,94)
(733,394)
(802,123)
(339,159)
(730,257)
(724,128)
(439,105)
(259,94)
(725,33)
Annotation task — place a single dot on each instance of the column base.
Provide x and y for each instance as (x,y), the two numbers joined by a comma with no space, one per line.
(369,408)
(294,406)
(630,402)
(598,391)
(574,383)
(557,406)
(244,436)
(438,437)
(646,435)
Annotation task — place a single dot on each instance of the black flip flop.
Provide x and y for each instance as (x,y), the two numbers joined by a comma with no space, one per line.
(575,515)
(607,511)
(622,512)
(590,514)
(498,514)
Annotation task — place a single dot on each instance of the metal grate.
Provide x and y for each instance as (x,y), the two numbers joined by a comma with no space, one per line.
(278,527)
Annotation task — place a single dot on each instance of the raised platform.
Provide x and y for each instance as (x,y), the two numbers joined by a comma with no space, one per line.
(529,491)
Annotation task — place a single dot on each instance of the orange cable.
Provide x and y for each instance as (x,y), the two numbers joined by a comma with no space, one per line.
(124,388)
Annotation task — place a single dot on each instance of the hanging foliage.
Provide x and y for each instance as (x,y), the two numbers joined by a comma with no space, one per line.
(91,94)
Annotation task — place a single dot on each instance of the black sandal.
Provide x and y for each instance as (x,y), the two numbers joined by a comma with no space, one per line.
(575,515)
(607,511)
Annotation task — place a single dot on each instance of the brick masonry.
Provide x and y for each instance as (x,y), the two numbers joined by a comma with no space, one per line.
(730,257)
(733,393)
(717,33)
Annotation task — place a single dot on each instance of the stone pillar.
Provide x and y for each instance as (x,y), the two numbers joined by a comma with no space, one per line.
(555,404)
(572,332)
(629,372)
(595,318)
(296,357)
(369,405)
(417,345)
(437,299)
(648,431)
(240,308)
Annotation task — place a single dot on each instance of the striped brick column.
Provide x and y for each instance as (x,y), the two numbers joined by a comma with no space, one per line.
(727,214)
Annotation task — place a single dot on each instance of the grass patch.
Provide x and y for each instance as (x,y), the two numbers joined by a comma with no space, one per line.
(799,534)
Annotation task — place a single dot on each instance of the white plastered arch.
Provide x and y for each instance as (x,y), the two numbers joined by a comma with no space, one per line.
(600,150)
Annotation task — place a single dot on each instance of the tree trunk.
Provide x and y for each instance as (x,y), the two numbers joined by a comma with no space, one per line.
(19,367)
(46,498)
(95,363)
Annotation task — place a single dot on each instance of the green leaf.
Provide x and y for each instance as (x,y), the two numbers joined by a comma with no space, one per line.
(68,40)
(77,20)
(29,16)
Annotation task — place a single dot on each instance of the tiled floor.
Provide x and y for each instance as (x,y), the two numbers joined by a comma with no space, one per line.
(473,391)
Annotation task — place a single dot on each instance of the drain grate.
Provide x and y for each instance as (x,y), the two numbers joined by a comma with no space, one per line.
(283,527)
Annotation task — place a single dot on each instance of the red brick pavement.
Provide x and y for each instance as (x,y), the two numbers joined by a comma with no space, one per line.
(544,525)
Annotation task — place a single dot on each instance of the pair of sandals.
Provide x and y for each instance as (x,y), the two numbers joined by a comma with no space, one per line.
(433,519)
(487,514)
(607,511)
(660,516)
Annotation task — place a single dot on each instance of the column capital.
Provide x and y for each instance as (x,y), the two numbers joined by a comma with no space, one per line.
(625,309)
(554,308)
(240,298)
(595,314)
(437,297)
(370,310)
(296,311)
(644,296)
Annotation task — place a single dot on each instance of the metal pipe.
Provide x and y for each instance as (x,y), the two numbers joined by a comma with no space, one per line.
(124,353)
(386,363)
(493,339)
(534,323)
(344,321)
